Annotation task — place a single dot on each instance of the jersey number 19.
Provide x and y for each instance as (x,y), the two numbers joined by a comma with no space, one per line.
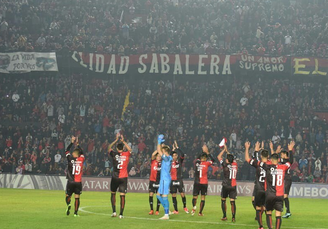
(76,169)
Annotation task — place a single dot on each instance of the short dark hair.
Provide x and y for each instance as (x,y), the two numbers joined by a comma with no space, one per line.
(77,151)
(173,152)
(285,152)
(265,153)
(275,156)
(230,158)
(120,146)
(203,155)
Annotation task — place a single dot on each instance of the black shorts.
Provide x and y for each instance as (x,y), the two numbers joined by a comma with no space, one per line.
(274,202)
(176,185)
(200,188)
(73,187)
(229,191)
(288,185)
(153,186)
(254,191)
(260,198)
(119,183)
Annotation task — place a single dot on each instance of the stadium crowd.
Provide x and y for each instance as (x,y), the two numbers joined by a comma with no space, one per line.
(39,114)
(125,27)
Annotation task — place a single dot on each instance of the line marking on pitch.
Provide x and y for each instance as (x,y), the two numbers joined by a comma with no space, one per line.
(180,221)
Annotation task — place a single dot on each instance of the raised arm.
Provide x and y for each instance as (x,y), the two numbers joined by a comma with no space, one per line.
(160,140)
(278,150)
(257,150)
(271,147)
(70,145)
(178,150)
(78,145)
(126,144)
(247,145)
(221,153)
(114,142)
(290,149)
(205,150)
(153,156)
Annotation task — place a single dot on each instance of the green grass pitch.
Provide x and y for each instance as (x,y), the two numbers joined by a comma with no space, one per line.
(46,209)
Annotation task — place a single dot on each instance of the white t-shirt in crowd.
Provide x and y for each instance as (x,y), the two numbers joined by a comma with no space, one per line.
(288,39)
(82,110)
(243,101)
(57,158)
(61,118)
(50,110)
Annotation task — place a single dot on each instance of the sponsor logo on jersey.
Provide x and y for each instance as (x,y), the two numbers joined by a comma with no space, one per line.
(157,168)
(275,171)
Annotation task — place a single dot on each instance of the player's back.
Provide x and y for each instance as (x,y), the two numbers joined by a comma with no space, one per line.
(166,167)
(260,174)
(229,173)
(75,168)
(201,169)
(120,163)
(155,171)
(275,178)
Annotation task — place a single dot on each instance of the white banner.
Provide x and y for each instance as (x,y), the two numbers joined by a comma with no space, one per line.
(298,190)
(21,62)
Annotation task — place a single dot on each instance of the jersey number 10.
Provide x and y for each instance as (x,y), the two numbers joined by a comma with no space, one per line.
(233,173)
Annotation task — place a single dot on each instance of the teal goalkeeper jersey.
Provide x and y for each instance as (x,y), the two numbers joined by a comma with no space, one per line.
(166,167)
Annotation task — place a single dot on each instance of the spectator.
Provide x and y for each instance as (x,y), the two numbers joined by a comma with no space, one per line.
(57,159)
(318,164)
(191,173)
(28,167)
(303,163)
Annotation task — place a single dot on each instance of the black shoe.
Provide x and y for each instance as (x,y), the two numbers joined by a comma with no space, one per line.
(68,209)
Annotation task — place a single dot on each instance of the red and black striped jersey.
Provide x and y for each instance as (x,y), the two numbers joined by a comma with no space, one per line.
(229,173)
(201,168)
(74,166)
(260,174)
(120,163)
(176,167)
(275,174)
(155,171)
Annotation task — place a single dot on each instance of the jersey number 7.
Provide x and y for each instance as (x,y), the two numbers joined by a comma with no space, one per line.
(200,170)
